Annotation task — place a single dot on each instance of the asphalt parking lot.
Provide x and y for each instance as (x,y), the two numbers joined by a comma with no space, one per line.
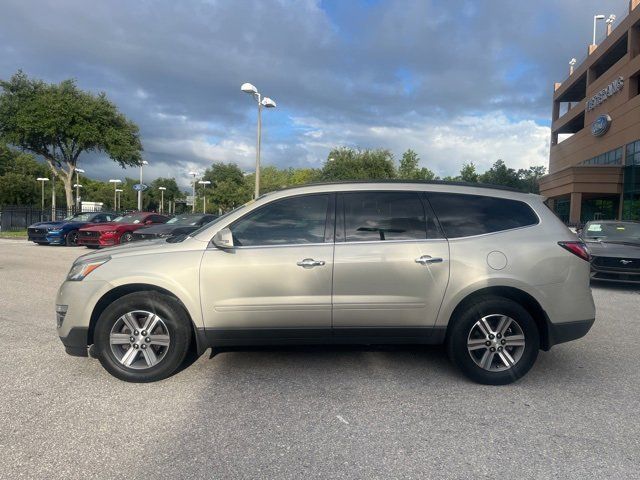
(401,412)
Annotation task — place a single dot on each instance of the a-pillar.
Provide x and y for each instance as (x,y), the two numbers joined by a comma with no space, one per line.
(576,207)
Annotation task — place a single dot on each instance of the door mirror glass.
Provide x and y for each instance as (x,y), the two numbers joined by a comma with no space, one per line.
(223,239)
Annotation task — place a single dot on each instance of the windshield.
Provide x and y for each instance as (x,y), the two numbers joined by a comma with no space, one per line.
(185,220)
(80,217)
(613,231)
(132,218)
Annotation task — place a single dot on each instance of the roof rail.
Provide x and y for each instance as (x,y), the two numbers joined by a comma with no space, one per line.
(417,182)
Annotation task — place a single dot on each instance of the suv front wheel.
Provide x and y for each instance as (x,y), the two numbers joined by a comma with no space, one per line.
(142,337)
(494,341)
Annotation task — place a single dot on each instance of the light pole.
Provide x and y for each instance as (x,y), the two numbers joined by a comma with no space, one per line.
(204,184)
(595,19)
(115,193)
(262,102)
(193,184)
(42,180)
(572,64)
(144,162)
(162,189)
(609,21)
(118,198)
(77,186)
(78,172)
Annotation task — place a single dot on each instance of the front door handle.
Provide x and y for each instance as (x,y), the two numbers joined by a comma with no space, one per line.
(427,259)
(310,263)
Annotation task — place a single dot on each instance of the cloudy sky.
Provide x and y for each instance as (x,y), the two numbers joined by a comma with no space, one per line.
(454,80)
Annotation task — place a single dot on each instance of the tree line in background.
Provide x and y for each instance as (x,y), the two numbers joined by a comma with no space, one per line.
(230,187)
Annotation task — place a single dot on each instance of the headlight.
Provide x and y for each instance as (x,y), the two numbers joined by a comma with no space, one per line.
(81,269)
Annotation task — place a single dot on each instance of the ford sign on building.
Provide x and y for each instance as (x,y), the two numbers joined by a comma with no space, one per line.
(601,125)
(594,159)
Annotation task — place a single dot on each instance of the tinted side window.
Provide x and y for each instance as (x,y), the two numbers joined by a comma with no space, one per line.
(375,216)
(295,220)
(467,215)
(157,219)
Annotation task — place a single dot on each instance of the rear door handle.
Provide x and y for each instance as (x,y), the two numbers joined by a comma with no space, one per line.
(310,263)
(427,259)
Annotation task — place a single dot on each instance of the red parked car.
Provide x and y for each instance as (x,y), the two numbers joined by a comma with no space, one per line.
(119,231)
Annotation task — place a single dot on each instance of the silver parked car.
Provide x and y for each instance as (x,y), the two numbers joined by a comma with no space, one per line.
(491,273)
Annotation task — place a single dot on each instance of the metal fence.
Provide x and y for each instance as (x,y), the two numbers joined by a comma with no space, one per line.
(16,218)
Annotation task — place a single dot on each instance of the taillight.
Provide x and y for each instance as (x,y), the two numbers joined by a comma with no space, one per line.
(577,248)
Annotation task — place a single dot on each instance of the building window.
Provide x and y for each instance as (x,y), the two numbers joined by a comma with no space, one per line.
(612,157)
(633,153)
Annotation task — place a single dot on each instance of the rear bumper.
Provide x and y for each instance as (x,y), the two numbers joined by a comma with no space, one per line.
(567,331)
(75,343)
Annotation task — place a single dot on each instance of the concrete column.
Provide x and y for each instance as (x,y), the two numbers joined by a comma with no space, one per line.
(556,111)
(620,207)
(633,42)
(576,207)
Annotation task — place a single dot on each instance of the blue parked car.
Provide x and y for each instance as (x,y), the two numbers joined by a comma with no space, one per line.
(65,232)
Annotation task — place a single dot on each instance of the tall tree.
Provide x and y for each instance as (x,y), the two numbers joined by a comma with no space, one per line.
(228,187)
(468,173)
(500,174)
(409,170)
(59,122)
(351,164)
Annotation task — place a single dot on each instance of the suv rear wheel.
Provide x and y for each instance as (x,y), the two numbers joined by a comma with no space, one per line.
(493,341)
(142,337)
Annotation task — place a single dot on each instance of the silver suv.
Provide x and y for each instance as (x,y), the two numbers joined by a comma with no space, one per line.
(491,273)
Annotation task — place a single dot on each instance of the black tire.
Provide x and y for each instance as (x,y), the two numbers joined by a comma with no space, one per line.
(177,323)
(71,240)
(126,237)
(461,328)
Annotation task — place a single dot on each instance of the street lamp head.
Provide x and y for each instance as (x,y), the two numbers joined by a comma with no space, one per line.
(598,17)
(77,185)
(248,88)
(611,19)
(118,190)
(79,170)
(113,180)
(193,174)
(144,162)
(42,179)
(573,61)
(204,182)
(162,188)
(268,103)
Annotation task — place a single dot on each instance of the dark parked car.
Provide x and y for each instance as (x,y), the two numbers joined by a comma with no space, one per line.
(179,225)
(65,232)
(615,250)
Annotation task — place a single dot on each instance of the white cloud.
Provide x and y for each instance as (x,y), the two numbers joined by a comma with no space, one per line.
(443,147)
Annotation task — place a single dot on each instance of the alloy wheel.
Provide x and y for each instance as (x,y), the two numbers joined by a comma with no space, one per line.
(496,342)
(139,339)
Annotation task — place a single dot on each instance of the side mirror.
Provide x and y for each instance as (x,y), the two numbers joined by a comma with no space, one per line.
(223,239)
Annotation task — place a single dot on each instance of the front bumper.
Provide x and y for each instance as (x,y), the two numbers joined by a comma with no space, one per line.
(55,238)
(76,343)
(101,241)
(80,299)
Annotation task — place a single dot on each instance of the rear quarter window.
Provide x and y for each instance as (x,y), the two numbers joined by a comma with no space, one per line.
(463,215)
